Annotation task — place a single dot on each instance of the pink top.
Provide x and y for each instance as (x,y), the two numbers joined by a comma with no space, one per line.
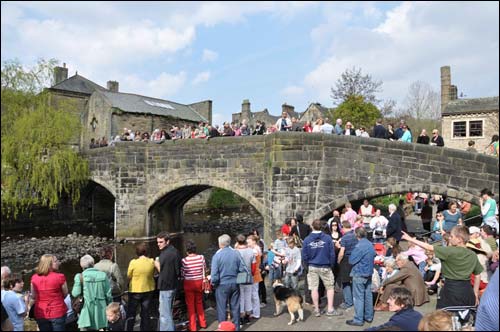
(49,302)
(350,216)
(417,253)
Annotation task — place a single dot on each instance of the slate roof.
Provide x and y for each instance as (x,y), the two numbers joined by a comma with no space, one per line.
(472,105)
(132,103)
(78,84)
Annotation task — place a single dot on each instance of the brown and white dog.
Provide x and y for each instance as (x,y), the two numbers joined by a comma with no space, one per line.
(284,295)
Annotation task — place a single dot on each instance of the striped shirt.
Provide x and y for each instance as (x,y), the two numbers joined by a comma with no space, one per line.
(192,267)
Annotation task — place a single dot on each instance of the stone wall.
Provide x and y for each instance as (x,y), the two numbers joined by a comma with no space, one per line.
(490,128)
(279,174)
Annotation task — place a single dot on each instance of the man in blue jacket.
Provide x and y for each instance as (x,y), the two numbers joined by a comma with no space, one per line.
(361,260)
(226,264)
(318,255)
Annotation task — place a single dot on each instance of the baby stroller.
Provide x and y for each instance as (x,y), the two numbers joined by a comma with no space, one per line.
(463,316)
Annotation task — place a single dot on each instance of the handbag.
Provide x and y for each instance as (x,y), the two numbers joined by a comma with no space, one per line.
(206,285)
(297,238)
(31,314)
(245,277)
(77,302)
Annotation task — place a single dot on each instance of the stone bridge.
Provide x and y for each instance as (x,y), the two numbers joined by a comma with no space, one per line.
(278,174)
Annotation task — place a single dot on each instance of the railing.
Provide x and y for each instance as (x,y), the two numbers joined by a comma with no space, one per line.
(427,234)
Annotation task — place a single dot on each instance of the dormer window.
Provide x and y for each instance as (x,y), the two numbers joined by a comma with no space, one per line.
(93,123)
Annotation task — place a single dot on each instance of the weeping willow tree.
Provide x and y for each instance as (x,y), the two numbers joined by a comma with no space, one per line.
(38,163)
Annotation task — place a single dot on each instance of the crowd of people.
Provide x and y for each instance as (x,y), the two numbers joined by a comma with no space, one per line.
(285,123)
(358,252)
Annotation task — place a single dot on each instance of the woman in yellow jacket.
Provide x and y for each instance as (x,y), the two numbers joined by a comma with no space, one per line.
(141,286)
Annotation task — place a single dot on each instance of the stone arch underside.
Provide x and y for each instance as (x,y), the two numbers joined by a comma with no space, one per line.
(165,209)
(396,189)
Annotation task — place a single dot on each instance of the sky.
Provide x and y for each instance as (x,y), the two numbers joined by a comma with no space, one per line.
(268,52)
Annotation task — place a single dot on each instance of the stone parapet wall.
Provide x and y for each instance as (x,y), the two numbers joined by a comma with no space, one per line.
(278,174)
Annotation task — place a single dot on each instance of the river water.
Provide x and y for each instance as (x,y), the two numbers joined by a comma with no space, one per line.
(203,227)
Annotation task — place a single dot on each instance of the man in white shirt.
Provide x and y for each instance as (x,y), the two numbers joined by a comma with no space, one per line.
(284,123)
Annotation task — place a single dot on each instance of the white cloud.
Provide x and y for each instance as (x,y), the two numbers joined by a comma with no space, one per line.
(412,42)
(292,91)
(209,55)
(201,77)
(164,85)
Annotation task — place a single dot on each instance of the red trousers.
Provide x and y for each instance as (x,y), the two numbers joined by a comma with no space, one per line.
(194,302)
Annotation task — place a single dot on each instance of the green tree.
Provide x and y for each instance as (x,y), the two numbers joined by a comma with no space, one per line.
(358,111)
(38,164)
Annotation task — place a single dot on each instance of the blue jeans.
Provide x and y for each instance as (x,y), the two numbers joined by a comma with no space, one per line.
(347,292)
(228,294)
(421,268)
(166,304)
(54,324)
(363,299)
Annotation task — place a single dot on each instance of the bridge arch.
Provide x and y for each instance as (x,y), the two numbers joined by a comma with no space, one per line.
(167,204)
(397,189)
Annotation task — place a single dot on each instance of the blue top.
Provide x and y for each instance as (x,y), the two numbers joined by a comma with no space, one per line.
(348,241)
(406,137)
(338,129)
(16,308)
(398,133)
(394,226)
(406,319)
(362,258)
(226,264)
(487,312)
(317,250)
(270,257)
(450,220)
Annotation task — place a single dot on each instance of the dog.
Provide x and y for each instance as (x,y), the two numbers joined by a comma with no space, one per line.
(290,297)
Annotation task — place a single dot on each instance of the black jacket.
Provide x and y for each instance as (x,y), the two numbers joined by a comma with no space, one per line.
(379,132)
(394,226)
(170,268)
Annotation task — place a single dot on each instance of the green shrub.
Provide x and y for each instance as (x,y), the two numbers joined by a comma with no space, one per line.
(220,198)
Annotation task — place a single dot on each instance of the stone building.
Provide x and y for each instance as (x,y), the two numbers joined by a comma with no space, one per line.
(468,119)
(104,112)
(313,112)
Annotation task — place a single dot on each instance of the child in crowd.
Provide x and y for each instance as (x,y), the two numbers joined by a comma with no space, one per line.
(115,321)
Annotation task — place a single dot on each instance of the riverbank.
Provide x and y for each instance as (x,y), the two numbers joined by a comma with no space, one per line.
(22,253)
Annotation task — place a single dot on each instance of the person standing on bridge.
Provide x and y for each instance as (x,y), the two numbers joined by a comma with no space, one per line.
(284,123)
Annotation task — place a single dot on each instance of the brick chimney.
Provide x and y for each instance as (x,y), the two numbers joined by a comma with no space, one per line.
(445,86)
(60,74)
(113,86)
(289,109)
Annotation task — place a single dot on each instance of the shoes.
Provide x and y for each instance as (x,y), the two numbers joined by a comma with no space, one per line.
(316,313)
(263,305)
(334,313)
(344,306)
(353,323)
(368,321)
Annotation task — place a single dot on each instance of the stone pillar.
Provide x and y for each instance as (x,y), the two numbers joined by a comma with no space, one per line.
(60,74)
(246,113)
(113,86)
(445,86)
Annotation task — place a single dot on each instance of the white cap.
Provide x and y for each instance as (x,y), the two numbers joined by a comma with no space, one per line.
(474,229)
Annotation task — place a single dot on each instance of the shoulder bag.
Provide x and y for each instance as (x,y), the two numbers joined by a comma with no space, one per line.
(244,278)
(77,303)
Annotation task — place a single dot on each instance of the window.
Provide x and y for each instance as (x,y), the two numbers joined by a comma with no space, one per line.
(459,129)
(476,128)
(157,104)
